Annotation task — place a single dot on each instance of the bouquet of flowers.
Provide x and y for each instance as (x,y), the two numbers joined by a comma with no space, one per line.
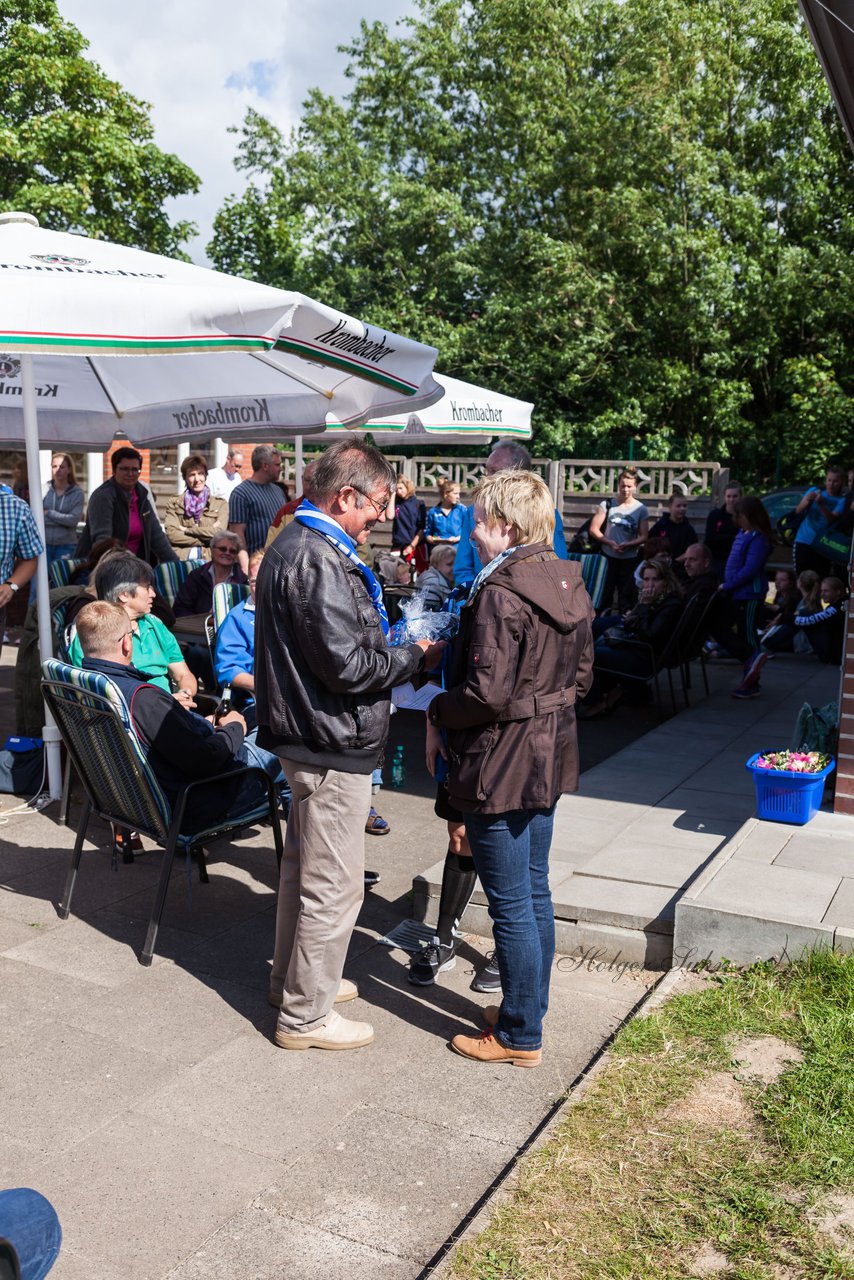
(793,761)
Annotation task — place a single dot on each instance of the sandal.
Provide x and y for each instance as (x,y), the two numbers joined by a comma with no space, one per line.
(376,826)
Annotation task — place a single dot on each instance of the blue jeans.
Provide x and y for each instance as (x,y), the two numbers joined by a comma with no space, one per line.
(511,856)
(30,1224)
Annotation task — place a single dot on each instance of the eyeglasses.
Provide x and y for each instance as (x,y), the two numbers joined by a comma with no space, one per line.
(229,551)
(128,471)
(380,510)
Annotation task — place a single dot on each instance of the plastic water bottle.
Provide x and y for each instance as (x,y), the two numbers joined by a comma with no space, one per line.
(398,768)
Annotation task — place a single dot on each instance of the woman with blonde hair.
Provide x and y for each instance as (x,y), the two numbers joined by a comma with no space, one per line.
(445,520)
(407,526)
(522,655)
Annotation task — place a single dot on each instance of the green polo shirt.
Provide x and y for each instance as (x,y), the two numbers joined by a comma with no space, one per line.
(154,650)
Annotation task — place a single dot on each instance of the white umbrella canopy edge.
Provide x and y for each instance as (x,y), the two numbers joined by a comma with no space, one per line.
(135,303)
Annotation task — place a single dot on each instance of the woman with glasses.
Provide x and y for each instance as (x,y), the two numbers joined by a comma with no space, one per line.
(195,594)
(122,508)
(194,517)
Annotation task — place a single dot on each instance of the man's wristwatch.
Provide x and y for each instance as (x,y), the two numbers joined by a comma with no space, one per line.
(13,586)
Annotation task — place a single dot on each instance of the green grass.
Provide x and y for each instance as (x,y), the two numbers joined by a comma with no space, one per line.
(674,1149)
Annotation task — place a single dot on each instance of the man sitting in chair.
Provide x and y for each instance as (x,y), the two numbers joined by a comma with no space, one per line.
(181,746)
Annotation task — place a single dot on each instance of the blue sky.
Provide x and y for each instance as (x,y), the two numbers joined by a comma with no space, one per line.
(201,63)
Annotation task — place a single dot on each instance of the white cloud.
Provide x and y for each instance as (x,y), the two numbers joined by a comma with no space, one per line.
(202,63)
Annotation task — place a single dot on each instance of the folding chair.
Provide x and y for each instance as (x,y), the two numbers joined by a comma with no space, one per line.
(62,571)
(594,570)
(120,785)
(670,659)
(169,577)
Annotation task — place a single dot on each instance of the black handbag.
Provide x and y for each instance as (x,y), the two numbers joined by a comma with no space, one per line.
(787,527)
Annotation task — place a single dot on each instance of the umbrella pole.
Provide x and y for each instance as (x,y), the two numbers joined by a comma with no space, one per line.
(298,465)
(50,733)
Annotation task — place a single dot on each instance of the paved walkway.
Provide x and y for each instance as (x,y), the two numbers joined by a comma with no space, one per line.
(152,1107)
(663,834)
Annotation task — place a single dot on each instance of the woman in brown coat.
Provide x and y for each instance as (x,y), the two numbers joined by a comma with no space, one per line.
(523,654)
(192,518)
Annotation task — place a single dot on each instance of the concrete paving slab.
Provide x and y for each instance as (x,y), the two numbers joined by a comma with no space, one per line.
(699,802)
(166,1009)
(266,1100)
(837,826)
(773,893)
(665,826)
(175,1189)
(841,910)
(87,949)
(814,852)
(651,864)
(765,841)
(60,1084)
(406,1206)
(15,932)
(266,1245)
(232,896)
(581,805)
(30,996)
(243,954)
(631,906)
(576,838)
(611,945)
(97,886)
(843,939)
(72,1266)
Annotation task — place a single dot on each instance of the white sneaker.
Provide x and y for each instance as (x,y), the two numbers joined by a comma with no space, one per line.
(347,990)
(335,1033)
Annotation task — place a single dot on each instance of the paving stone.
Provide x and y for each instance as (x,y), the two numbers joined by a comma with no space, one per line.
(712,804)
(631,906)
(31,997)
(612,945)
(771,893)
(812,852)
(764,842)
(841,910)
(174,1189)
(666,826)
(59,1084)
(14,932)
(406,1205)
(242,954)
(650,864)
(87,949)
(181,1015)
(581,805)
(232,896)
(258,1244)
(843,939)
(576,838)
(265,1100)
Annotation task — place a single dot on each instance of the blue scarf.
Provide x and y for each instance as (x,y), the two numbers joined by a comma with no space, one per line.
(313,518)
(490,568)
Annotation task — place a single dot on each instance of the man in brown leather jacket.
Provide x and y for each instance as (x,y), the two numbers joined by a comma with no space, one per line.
(323,678)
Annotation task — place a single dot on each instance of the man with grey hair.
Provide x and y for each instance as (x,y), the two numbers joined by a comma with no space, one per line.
(507,455)
(253,505)
(222,481)
(323,677)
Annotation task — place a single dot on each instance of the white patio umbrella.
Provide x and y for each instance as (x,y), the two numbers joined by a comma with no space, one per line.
(233,357)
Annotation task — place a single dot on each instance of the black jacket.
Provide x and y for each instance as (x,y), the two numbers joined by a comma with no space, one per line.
(108,516)
(195,594)
(182,746)
(323,669)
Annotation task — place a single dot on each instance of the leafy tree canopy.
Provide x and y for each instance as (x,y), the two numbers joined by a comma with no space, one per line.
(76,150)
(636,214)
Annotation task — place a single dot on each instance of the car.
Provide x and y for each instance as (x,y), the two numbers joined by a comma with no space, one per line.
(780,502)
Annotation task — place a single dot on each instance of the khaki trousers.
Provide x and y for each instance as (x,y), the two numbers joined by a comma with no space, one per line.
(321,888)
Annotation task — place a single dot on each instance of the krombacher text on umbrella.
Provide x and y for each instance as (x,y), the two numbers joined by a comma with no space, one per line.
(364,346)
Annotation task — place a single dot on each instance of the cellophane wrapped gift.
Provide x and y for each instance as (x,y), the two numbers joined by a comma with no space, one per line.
(418,623)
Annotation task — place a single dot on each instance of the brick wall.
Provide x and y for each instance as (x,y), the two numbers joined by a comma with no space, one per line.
(844,799)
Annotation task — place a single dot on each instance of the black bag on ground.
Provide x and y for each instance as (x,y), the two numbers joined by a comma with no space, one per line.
(21,771)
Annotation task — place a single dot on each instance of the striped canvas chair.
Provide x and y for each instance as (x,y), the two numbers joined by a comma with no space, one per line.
(62,571)
(120,785)
(169,576)
(594,569)
(225,596)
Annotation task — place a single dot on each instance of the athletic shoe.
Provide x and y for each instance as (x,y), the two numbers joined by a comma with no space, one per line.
(371,878)
(746,691)
(432,960)
(335,1033)
(753,669)
(486,1048)
(488,979)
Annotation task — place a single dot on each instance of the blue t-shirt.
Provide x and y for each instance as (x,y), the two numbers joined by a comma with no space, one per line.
(445,524)
(814,524)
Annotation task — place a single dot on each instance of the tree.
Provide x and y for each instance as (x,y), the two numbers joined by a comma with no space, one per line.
(76,150)
(636,214)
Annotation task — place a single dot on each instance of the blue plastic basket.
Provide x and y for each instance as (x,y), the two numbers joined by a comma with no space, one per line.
(782,796)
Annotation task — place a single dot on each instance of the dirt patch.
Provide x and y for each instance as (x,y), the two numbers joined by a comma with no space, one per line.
(709,1261)
(715,1102)
(837,1221)
(764,1058)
